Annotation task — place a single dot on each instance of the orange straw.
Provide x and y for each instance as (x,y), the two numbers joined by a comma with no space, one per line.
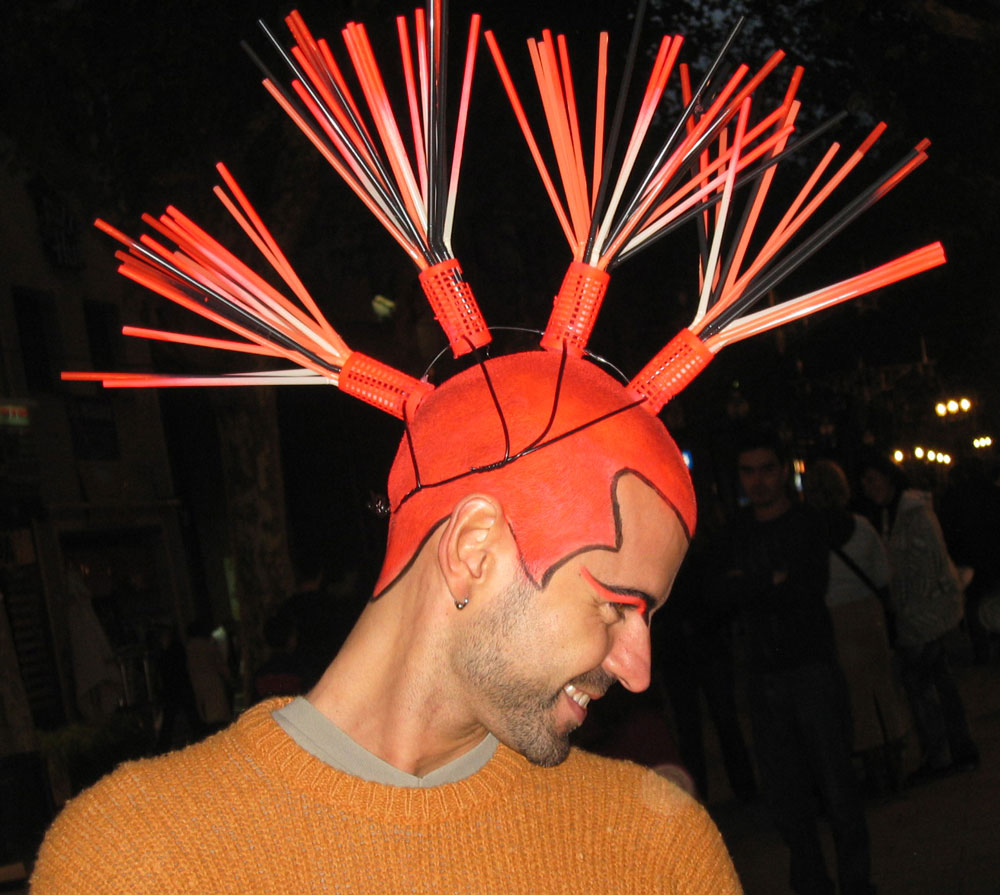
(359,191)
(160,335)
(905,266)
(460,128)
(602,86)
(412,101)
(529,137)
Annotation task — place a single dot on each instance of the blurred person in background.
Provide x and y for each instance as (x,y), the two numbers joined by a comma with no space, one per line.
(772,574)
(857,597)
(926,598)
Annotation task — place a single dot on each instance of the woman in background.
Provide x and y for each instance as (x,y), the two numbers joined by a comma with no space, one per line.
(856,597)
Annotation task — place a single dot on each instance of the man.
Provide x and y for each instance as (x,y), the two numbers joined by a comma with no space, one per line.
(539,512)
(773,579)
(539,516)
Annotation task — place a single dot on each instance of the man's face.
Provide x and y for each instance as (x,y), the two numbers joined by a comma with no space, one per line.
(877,487)
(536,657)
(763,477)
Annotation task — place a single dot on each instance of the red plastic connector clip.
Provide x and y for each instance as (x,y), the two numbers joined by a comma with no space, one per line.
(575,309)
(383,386)
(455,306)
(671,371)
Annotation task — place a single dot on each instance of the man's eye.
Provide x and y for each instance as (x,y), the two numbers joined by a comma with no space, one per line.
(637,603)
(618,601)
(624,606)
(619,608)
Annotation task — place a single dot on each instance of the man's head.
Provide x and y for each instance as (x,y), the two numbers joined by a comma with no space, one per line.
(573,430)
(764,473)
(826,486)
(881,480)
(558,523)
(526,660)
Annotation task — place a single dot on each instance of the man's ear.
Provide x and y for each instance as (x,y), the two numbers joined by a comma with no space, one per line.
(474,544)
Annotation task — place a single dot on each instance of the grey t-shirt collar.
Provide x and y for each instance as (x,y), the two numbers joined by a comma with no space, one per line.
(319,736)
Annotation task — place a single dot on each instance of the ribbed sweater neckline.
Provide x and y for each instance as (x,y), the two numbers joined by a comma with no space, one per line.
(260,739)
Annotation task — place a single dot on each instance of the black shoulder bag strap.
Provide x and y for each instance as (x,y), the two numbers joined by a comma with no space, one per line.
(854,567)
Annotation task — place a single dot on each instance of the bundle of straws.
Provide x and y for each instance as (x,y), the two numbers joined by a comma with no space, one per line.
(718,148)
(715,149)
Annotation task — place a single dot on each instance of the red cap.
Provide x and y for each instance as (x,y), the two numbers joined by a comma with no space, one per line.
(558,492)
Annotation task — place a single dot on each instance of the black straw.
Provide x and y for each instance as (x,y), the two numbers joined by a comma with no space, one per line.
(616,126)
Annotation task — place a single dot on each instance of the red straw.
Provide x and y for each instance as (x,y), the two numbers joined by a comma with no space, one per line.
(522,120)
(766,179)
(906,170)
(792,221)
(373,87)
(574,124)
(198,341)
(324,73)
(348,178)
(669,168)
(905,266)
(413,102)
(338,76)
(420,21)
(139,380)
(463,114)
(602,86)
(547,78)
(210,263)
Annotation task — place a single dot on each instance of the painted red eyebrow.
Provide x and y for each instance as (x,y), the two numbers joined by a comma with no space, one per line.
(614,594)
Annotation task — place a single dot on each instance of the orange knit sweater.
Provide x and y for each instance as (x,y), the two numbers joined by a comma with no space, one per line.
(248,811)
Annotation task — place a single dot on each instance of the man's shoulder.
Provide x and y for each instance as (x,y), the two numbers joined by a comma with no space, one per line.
(799,517)
(608,795)
(125,795)
(101,827)
(139,815)
(624,783)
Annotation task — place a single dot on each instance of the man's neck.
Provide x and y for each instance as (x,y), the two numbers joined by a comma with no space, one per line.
(389,691)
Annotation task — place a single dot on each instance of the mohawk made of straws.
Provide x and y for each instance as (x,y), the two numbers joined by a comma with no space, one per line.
(720,145)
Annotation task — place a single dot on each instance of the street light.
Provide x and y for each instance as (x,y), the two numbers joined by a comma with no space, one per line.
(953,405)
(929,455)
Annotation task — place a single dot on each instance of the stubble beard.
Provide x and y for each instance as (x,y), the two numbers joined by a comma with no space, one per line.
(521,709)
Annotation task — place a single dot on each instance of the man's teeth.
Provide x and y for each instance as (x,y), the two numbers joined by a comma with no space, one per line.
(578,696)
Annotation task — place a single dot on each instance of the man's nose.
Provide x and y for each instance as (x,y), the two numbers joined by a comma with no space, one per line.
(629,658)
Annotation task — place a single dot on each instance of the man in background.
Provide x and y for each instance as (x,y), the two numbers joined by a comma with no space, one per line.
(772,578)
